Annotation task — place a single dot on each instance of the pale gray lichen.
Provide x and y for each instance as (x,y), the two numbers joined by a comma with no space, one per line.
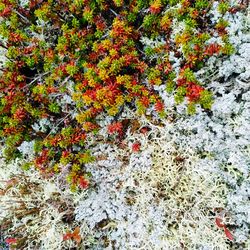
(216,150)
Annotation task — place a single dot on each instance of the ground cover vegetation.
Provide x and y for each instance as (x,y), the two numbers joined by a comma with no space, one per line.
(69,63)
(124,124)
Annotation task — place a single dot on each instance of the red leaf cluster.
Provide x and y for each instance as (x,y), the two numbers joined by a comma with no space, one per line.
(74,236)
(193,92)
(83,183)
(115,127)
(136,147)
(11,241)
(219,223)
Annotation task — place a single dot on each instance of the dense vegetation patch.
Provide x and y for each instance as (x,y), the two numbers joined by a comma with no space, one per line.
(71,63)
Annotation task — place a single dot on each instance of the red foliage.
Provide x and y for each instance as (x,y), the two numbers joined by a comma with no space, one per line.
(100,23)
(15,37)
(6,11)
(159,106)
(155,7)
(115,127)
(65,154)
(144,130)
(228,234)
(40,160)
(77,137)
(75,235)
(11,241)
(212,49)
(145,101)
(83,183)
(20,114)
(136,147)
(193,92)
(181,82)
(10,130)
(219,223)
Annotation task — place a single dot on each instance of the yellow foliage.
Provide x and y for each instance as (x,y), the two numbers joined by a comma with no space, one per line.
(113,111)
(87,100)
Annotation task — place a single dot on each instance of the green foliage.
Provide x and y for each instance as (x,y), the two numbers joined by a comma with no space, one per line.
(71,69)
(201,4)
(180,95)
(206,99)
(170,86)
(54,107)
(223,7)
(148,21)
(26,166)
